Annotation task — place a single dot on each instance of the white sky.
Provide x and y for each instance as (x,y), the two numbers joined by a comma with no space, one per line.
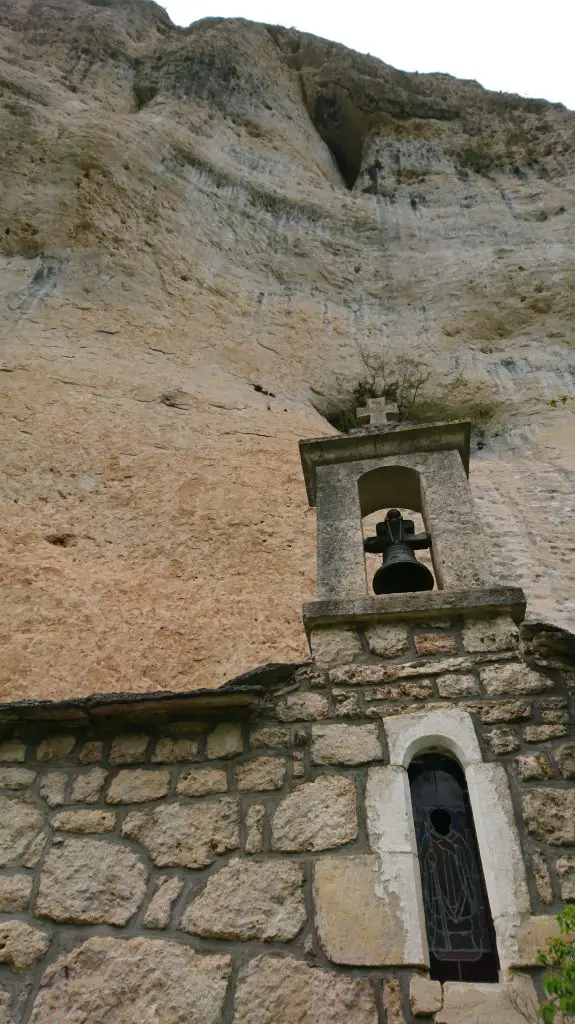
(523,46)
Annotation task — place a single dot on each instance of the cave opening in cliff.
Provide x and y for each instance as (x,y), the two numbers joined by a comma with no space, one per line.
(340,126)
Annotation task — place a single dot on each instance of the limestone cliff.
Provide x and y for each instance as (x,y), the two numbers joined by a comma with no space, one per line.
(199,229)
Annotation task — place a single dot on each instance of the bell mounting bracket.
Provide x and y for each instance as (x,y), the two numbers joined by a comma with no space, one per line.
(396,530)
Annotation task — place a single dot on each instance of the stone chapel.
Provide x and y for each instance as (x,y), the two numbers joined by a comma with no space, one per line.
(381,835)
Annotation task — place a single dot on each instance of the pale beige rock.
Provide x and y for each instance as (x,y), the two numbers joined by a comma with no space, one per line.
(505,711)
(330,646)
(16,778)
(88,881)
(346,703)
(316,815)
(84,821)
(421,690)
(533,766)
(466,1003)
(453,685)
(533,936)
(169,751)
(35,851)
(255,817)
(21,945)
(298,765)
(550,815)
(12,750)
(138,785)
(56,748)
(566,871)
(387,641)
(435,643)
(502,741)
(21,823)
(186,835)
(273,989)
(302,707)
(53,788)
(261,773)
(225,741)
(248,899)
(542,733)
(512,677)
(132,981)
(500,634)
(345,744)
(273,736)
(129,748)
(565,759)
(392,1001)
(160,909)
(88,785)
(91,752)
(5,1007)
(425,995)
(202,781)
(15,893)
(542,877)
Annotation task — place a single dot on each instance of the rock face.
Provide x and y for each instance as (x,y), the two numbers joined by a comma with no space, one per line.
(91,882)
(197,231)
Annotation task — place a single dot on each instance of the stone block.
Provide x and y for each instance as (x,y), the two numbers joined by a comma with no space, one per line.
(129,749)
(533,935)
(345,744)
(249,900)
(15,893)
(543,733)
(392,1001)
(359,675)
(16,778)
(566,870)
(160,909)
(170,751)
(407,734)
(500,634)
(6,1016)
(298,765)
(255,816)
(565,760)
(542,877)
(454,685)
(107,980)
(186,835)
(346,703)
(21,823)
(261,773)
(425,995)
(437,666)
(533,767)
(53,788)
(435,643)
(84,821)
(88,786)
(502,741)
(302,707)
(21,945)
(512,678)
(550,815)
(388,810)
(421,690)
(12,750)
(468,1003)
(272,736)
(504,711)
(388,641)
(91,752)
(225,741)
(87,881)
(56,748)
(333,645)
(35,851)
(202,781)
(137,786)
(274,989)
(316,815)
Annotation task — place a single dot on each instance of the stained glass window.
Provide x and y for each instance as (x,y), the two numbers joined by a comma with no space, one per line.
(459,926)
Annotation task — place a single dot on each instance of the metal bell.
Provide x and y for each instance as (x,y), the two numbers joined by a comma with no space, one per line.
(401,573)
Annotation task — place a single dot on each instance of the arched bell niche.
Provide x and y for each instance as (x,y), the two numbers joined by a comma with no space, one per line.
(458,920)
(388,487)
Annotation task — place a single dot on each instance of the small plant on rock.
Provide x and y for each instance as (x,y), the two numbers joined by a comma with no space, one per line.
(559,984)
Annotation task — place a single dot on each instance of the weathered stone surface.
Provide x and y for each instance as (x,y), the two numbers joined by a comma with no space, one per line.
(84,821)
(91,752)
(273,736)
(533,766)
(88,786)
(550,815)
(91,882)
(554,711)
(12,750)
(359,675)
(332,646)
(533,935)
(355,923)
(137,786)
(56,748)
(20,824)
(435,643)
(129,748)
(346,703)
(565,760)
(15,893)
(133,981)
(298,764)
(170,751)
(512,677)
(186,835)
(316,816)
(345,744)
(466,1003)
(302,707)
(505,711)
(388,641)
(454,685)
(21,945)
(274,989)
(53,788)
(255,816)
(35,851)
(16,778)
(425,995)
(502,741)
(248,899)
(566,871)
(261,773)
(542,733)
(202,781)
(5,1007)
(436,666)
(392,1001)
(542,877)
(420,690)
(500,634)
(160,909)
(225,741)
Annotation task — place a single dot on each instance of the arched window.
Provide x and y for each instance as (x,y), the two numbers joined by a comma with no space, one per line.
(459,926)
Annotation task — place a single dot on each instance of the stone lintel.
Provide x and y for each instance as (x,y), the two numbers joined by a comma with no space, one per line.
(381,442)
(471,603)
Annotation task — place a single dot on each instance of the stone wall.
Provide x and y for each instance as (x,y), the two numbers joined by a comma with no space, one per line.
(213,861)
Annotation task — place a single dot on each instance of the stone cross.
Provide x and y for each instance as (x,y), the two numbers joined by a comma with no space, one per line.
(378,411)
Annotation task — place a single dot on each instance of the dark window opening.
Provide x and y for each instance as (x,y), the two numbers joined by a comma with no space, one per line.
(460,931)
